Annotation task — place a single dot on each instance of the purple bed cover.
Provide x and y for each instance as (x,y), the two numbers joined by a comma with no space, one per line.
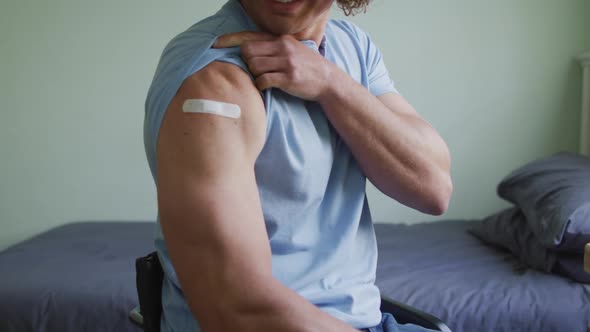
(81,277)
(443,270)
(77,277)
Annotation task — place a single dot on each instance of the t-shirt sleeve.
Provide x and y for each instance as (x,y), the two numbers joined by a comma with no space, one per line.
(184,55)
(378,76)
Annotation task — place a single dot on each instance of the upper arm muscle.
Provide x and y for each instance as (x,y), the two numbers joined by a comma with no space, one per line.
(207,193)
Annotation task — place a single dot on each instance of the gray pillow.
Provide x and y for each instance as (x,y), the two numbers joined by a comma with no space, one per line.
(554,195)
(509,230)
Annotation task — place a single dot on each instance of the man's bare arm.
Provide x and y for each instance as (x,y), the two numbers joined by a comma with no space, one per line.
(399,151)
(211,214)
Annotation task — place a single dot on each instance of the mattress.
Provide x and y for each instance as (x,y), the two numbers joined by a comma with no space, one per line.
(443,270)
(77,277)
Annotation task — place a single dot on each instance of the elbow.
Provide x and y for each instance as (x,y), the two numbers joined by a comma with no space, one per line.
(428,193)
(439,192)
(440,186)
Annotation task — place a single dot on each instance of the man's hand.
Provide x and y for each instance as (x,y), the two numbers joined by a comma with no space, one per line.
(282,62)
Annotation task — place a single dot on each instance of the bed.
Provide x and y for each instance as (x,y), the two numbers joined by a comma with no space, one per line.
(81,277)
(443,270)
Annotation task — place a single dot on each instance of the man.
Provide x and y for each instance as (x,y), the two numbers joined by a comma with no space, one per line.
(264,222)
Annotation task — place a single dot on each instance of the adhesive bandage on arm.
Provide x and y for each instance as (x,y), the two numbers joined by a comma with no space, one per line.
(211,107)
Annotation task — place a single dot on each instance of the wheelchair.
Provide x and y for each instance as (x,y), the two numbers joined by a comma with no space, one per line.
(149,277)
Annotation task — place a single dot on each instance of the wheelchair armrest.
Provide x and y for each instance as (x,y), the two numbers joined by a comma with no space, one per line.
(136,316)
(404,314)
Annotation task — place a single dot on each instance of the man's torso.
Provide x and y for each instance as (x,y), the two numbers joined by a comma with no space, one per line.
(312,190)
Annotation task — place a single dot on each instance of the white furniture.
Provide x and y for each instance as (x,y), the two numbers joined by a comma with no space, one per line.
(585,115)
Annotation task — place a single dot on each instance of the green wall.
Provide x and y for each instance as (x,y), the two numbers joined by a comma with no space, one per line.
(495,77)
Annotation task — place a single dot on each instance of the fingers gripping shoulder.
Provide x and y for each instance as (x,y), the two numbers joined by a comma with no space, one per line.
(211,142)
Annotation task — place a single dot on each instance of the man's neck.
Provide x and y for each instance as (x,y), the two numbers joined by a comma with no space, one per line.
(314,32)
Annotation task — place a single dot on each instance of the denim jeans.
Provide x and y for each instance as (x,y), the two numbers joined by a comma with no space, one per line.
(388,324)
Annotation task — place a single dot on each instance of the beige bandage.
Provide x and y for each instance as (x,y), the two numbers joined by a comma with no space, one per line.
(212,107)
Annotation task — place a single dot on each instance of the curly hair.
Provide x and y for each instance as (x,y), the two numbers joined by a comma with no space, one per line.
(352,7)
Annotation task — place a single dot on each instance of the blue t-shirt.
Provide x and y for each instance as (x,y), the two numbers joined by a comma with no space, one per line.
(311,188)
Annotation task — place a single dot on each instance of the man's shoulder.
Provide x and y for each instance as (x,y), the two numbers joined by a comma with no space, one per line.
(340,28)
(228,19)
(201,34)
(348,36)
(186,54)
(348,40)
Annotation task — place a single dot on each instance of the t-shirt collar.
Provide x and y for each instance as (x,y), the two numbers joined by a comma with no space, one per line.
(234,8)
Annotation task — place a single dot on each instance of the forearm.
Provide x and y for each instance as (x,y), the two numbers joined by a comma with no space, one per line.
(232,287)
(275,308)
(398,151)
(246,301)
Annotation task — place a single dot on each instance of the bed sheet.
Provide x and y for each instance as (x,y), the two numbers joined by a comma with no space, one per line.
(441,269)
(77,277)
